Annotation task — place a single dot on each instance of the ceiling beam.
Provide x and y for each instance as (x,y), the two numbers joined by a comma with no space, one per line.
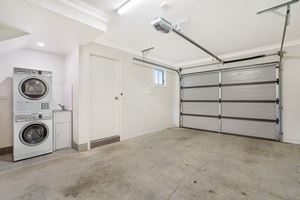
(76,11)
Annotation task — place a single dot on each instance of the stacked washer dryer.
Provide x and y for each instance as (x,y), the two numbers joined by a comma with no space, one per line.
(32,113)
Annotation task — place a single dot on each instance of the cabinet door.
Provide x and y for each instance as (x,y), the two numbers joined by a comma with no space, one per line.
(63,135)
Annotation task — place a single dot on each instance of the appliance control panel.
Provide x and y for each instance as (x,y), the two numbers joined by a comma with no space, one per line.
(32,72)
(33,117)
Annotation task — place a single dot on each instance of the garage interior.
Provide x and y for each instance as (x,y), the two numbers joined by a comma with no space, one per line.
(140,99)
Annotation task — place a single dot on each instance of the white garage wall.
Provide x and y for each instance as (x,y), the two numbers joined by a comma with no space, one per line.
(290,86)
(25,58)
(71,82)
(291,95)
(144,108)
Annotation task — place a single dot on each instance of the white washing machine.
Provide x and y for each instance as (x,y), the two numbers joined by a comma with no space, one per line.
(32,90)
(32,135)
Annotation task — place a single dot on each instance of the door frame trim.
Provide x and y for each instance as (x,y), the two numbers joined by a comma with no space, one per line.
(118,92)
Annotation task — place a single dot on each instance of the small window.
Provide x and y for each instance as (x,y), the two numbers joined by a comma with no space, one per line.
(159,77)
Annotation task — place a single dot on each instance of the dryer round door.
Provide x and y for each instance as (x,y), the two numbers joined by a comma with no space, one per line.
(34,133)
(33,88)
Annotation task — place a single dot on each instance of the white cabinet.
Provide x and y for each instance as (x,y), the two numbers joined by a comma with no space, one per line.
(62,129)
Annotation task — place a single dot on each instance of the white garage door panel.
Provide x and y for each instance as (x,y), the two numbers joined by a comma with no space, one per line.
(210,93)
(249,128)
(249,110)
(247,105)
(249,92)
(204,123)
(200,108)
(249,75)
(200,80)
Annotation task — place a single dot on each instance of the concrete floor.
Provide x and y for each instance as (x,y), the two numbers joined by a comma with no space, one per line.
(174,164)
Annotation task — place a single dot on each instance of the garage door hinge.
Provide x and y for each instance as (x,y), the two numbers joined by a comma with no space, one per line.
(277,121)
(277,81)
(277,101)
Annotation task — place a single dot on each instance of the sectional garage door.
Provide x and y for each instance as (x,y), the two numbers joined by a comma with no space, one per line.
(242,100)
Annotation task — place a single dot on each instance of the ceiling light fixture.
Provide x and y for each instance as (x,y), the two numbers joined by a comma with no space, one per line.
(127,5)
(40,44)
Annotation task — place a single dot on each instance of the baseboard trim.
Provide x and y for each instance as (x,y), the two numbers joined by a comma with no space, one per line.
(104,141)
(6,150)
(80,147)
(291,141)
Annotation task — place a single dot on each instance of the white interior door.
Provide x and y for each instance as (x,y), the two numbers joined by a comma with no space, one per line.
(103,98)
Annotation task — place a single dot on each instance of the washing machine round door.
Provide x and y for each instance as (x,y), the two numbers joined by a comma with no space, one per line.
(33,88)
(34,134)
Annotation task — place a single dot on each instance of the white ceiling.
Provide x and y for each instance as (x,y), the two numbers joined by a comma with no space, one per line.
(7,32)
(221,26)
(60,34)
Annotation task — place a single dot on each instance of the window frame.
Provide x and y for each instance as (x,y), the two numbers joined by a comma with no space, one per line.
(155,77)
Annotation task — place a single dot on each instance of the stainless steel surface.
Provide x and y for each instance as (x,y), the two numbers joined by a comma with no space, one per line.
(156,65)
(180,97)
(123,4)
(148,49)
(284,32)
(278,106)
(204,65)
(198,45)
(280,64)
(162,25)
